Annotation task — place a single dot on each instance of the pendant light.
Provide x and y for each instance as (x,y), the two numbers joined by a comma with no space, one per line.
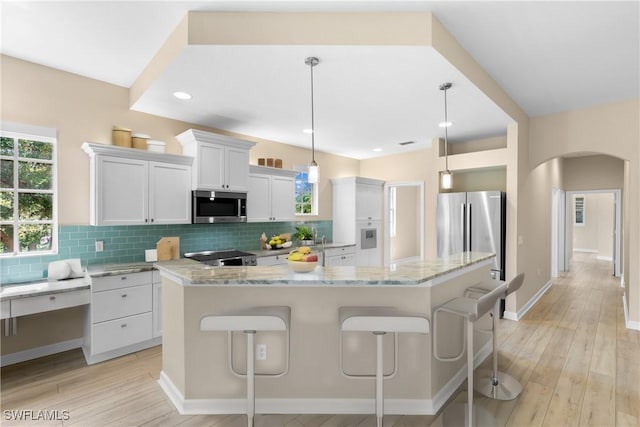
(446,181)
(312,177)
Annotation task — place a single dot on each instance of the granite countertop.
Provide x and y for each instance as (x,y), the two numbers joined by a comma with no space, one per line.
(116,269)
(187,272)
(25,290)
(315,248)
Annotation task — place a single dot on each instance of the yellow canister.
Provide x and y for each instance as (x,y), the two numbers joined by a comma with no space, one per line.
(139,141)
(121,136)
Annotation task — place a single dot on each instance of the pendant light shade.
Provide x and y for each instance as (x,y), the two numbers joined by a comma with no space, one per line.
(446,178)
(314,171)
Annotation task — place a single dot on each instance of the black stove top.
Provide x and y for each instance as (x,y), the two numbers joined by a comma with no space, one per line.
(223,257)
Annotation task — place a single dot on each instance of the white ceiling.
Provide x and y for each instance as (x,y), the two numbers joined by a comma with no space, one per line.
(548,56)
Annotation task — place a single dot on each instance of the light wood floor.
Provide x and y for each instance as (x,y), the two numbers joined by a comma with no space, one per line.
(577,362)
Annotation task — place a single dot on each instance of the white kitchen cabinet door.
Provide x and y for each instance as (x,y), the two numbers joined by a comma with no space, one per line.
(210,167)
(169,193)
(236,169)
(283,204)
(259,198)
(121,193)
(368,202)
(271,195)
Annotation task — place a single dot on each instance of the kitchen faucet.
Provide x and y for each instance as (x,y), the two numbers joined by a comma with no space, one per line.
(324,242)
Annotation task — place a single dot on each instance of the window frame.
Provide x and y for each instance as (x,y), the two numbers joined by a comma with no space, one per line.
(314,192)
(582,210)
(40,134)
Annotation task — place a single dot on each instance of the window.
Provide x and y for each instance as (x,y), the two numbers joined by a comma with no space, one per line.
(28,214)
(579,210)
(306,193)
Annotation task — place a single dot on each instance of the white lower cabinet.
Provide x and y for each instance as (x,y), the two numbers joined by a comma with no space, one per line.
(120,318)
(340,256)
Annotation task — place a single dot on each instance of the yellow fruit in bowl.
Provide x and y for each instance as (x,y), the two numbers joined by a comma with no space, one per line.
(296,256)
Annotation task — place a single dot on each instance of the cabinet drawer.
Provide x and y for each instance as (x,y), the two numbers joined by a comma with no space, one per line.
(5,309)
(117,303)
(340,251)
(272,260)
(120,281)
(121,332)
(30,305)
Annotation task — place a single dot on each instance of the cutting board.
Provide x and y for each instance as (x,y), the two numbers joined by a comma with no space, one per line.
(168,248)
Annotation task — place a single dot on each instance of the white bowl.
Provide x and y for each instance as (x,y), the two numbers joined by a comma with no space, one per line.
(302,266)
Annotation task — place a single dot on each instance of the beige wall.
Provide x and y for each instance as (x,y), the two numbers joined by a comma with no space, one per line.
(613,130)
(595,172)
(406,242)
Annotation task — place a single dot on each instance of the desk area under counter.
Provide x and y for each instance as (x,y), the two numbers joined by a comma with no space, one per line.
(196,374)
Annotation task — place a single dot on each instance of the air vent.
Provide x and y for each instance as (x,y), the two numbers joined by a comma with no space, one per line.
(407,143)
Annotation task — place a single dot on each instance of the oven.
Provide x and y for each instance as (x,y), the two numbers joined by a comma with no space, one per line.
(228,257)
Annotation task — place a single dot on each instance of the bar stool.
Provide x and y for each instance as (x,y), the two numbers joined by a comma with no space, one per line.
(379,321)
(250,321)
(493,383)
(472,310)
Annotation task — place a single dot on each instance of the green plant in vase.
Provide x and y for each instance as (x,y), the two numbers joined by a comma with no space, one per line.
(304,234)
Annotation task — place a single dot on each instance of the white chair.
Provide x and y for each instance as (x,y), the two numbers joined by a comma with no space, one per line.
(251,321)
(493,383)
(379,321)
(471,310)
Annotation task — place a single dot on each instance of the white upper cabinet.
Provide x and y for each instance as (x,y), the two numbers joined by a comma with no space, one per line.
(271,195)
(221,162)
(132,187)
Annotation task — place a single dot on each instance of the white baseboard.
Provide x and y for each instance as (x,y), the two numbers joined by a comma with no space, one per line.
(510,315)
(630,324)
(589,251)
(319,406)
(101,357)
(34,353)
(604,258)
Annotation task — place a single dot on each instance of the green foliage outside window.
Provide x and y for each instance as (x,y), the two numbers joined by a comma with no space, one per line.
(304,195)
(26,195)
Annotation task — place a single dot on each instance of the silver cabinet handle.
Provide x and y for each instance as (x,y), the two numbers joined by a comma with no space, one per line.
(52,298)
(124,325)
(124,295)
(123,278)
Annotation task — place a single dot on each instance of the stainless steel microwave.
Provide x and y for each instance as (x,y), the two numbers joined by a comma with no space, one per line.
(211,207)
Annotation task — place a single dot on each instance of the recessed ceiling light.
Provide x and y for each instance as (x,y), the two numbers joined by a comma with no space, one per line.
(182,95)
(307,131)
(377,150)
(445,124)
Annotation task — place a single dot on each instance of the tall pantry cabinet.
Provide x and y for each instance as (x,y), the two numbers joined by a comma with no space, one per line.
(357,216)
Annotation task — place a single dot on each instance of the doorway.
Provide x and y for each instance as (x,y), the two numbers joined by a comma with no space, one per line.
(585,221)
(404,222)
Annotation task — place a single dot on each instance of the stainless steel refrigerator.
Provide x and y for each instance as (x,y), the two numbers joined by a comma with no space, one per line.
(473,221)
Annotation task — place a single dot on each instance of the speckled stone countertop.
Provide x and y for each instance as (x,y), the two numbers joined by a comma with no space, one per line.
(116,269)
(315,248)
(187,272)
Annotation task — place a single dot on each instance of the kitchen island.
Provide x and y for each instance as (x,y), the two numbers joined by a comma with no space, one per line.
(196,372)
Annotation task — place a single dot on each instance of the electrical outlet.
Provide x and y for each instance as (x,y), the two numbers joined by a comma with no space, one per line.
(261,352)
(99,245)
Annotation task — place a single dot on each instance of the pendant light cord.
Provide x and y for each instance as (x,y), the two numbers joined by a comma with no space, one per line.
(313,128)
(446,140)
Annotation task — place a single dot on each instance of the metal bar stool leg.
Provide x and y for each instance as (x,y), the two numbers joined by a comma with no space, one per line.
(470,354)
(495,384)
(251,370)
(379,378)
